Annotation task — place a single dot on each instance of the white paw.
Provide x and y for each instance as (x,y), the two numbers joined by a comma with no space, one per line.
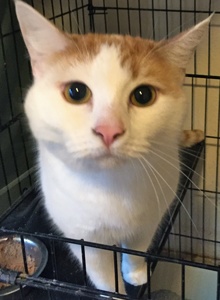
(137,277)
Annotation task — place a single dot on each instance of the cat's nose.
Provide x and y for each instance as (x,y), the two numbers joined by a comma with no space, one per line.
(109,133)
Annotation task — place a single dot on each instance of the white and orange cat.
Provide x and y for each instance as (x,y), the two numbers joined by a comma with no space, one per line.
(107,112)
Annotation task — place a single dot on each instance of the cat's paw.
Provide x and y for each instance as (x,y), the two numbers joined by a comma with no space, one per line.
(191,137)
(136,277)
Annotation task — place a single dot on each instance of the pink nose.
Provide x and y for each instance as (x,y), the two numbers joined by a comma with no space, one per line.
(109,133)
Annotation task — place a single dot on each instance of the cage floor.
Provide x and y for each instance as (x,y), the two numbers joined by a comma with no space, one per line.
(28,215)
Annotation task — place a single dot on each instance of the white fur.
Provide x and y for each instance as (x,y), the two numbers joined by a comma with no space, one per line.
(111,197)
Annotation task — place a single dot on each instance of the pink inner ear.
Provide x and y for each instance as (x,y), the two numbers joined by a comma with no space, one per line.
(109,133)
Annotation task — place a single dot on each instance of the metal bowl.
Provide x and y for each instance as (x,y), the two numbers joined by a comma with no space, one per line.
(33,248)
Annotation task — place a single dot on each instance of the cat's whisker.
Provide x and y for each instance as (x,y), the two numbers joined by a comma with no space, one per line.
(160,187)
(200,176)
(134,148)
(151,181)
(174,193)
(171,175)
(183,150)
(191,181)
(164,196)
(182,163)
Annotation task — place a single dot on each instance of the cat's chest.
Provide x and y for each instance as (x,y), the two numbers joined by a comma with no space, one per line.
(84,203)
(91,196)
(91,201)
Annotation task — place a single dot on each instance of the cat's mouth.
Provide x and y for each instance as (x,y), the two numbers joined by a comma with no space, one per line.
(110,160)
(105,158)
(106,155)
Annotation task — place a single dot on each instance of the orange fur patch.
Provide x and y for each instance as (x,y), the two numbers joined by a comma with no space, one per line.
(144,58)
(191,137)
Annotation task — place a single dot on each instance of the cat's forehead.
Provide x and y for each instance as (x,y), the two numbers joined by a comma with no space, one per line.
(130,50)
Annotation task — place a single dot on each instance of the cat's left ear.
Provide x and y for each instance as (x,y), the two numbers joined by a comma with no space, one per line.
(41,37)
(180,48)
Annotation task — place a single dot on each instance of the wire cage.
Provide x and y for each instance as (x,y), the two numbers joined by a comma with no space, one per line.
(187,256)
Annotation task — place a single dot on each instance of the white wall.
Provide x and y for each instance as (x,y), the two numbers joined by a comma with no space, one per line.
(200,284)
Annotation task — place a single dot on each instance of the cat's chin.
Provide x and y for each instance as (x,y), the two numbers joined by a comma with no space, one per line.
(105,161)
(102,161)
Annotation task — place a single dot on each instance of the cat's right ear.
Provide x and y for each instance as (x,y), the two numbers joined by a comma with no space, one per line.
(180,48)
(41,37)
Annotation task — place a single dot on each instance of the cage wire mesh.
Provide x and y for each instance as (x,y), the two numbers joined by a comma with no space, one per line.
(190,257)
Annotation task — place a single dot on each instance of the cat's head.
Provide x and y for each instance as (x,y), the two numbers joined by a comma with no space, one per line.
(101,96)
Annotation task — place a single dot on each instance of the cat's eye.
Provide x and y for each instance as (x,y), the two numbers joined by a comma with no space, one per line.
(77,93)
(143,95)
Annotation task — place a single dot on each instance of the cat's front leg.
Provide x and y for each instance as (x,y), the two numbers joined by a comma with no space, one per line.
(134,268)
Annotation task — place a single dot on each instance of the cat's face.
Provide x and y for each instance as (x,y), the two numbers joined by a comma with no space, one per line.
(103,96)
(110,120)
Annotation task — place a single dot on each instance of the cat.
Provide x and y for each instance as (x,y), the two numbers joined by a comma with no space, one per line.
(102,109)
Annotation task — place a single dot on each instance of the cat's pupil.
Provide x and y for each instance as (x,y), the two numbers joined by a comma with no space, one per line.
(77,91)
(143,94)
